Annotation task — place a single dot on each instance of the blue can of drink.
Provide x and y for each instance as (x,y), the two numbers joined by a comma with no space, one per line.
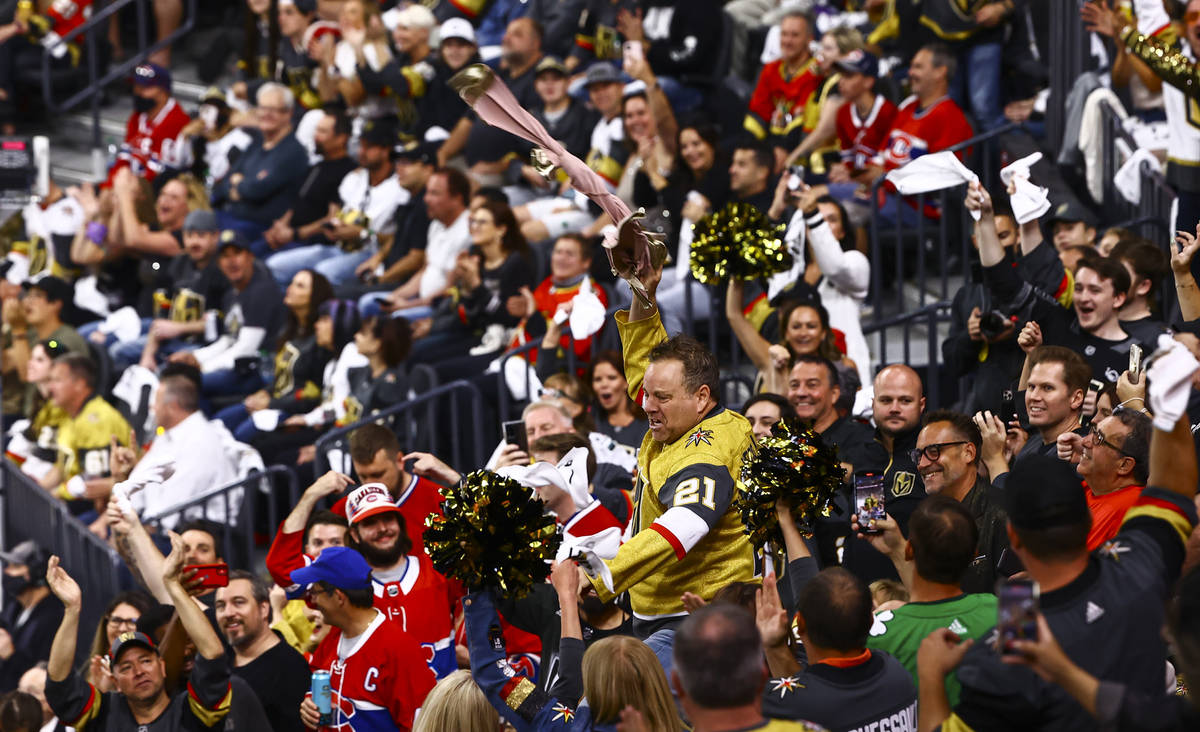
(322,696)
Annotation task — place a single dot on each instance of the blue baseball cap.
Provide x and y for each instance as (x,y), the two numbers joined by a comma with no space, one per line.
(858,61)
(151,74)
(340,566)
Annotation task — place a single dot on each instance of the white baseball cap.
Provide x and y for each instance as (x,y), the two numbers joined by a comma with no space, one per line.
(457,28)
(368,500)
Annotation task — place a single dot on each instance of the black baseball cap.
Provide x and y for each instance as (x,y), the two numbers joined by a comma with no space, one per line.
(1043,492)
(232,238)
(858,61)
(55,289)
(380,132)
(417,151)
(125,641)
(1072,212)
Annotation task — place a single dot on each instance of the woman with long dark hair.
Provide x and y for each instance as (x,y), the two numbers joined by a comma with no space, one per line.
(490,277)
(614,413)
(299,361)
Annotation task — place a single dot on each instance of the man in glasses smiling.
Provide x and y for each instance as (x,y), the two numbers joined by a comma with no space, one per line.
(1114,462)
(947,456)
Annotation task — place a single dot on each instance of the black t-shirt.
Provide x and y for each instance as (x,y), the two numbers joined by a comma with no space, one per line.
(573,127)
(320,188)
(191,291)
(260,305)
(1145,330)
(412,228)
(875,694)
(1108,620)
(280,678)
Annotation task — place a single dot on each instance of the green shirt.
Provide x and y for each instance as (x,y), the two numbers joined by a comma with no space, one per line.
(900,631)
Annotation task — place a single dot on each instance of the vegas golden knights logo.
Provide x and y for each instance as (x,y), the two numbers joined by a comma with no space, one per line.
(902,483)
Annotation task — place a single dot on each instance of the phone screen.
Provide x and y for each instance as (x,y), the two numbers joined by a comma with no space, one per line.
(1008,407)
(868,499)
(1016,612)
(514,434)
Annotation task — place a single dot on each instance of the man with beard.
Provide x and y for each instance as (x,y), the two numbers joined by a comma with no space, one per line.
(898,405)
(303,223)
(407,589)
(276,672)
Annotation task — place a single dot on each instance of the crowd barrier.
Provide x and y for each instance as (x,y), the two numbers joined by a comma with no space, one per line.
(236,506)
(32,513)
(453,410)
(1067,53)
(92,34)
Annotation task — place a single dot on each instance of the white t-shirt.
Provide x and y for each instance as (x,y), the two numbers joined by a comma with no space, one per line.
(442,248)
(378,202)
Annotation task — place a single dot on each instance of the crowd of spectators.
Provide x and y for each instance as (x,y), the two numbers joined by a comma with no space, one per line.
(284,259)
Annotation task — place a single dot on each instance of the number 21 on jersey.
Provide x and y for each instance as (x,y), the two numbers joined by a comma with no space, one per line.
(688,492)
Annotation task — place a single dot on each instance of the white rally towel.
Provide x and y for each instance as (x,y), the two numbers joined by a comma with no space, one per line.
(932,172)
(1128,178)
(1029,201)
(587,312)
(569,475)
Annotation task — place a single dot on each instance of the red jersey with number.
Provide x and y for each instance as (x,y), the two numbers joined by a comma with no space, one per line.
(916,131)
(151,143)
(548,297)
(860,139)
(377,681)
(418,500)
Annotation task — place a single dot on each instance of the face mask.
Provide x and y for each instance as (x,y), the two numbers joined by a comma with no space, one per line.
(13,586)
(208,113)
(142,104)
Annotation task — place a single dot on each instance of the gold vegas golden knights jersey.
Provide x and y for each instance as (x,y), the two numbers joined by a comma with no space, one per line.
(84,442)
(686,535)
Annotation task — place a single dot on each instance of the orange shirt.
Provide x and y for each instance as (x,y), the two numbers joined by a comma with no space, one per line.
(1108,511)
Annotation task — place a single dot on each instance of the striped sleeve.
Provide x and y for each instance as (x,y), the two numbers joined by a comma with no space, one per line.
(209,692)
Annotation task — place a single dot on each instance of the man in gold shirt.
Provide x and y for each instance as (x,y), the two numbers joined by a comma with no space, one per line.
(686,537)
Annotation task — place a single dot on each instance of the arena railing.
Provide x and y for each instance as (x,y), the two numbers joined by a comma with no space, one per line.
(938,247)
(92,32)
(1066,56)
(32,513)
(453,410)
(929,318)
(235,506)
(1150,217)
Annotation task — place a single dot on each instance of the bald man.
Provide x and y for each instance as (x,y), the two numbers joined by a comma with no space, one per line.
(898,406)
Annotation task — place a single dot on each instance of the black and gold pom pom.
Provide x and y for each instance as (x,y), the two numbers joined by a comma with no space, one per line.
(740,242)
(492,535)
(793,464)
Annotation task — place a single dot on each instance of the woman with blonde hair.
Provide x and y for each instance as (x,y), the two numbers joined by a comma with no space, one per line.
(457,703)
(615,672)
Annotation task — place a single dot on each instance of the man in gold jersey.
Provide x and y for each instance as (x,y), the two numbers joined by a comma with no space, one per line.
(685,535)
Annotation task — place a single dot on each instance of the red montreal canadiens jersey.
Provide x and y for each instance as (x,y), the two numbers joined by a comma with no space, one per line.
(916,132)
(860,140)
(420,499)
(380,683)
(421,602)
(151,145)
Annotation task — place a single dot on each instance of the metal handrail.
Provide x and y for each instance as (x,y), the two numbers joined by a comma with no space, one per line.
(31,512)
(503,395)
(930,316)
(96,84)
(245,511)
(452,390)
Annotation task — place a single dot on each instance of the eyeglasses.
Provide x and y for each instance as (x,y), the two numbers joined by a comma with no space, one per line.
(314,591)
(276,110)
(117,622)
(932,452)
(479,222)
(545,393)
(1098,438)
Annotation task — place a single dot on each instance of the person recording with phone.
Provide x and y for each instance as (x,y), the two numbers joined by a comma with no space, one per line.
(1106,608)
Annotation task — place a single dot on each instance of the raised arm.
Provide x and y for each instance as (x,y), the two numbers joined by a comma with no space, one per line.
(197,626)
(62,651)
(1185,282)
(756,347)
(134,545)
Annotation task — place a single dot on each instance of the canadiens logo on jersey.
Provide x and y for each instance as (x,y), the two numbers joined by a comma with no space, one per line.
(701,435)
